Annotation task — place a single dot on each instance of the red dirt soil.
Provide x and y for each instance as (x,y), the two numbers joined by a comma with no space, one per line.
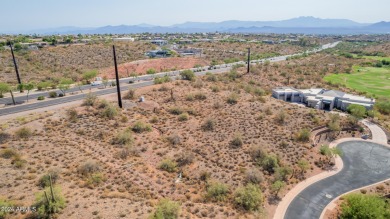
(164,64)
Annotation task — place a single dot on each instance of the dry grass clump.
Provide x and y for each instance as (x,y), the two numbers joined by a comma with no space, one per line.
(89,167)
(183,117)
(303,135)
(90,100)
(185,158)
(168,165)
(24,133)
(72,114)
(236,142)
(232,99)
(217,192)
(140,127)
(209,125)
(130,95)
(123,138)
(254,176)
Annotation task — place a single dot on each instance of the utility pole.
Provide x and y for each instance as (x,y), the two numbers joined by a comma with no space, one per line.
(16,66)
(118,88)
(249,59)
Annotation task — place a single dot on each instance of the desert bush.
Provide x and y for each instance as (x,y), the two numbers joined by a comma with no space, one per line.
(44,181)
(95,179)
(72,114)
(303,135)
(236,142)
(154,119)
(208,125)
(53,94)
(89,167)
(281,117)
(90,100)
(364,206)
(257,153)
(103,104)
(47,209)
(357,111)
(249,197)
(166,209)
(254,176)
(140,127)
(232,99)
(200,96)
(174,139)
(198,84)
(183,117)
(259,92)
(282,173)
(215,88)
(161,80)
(9,153)
(175,110)
(24,133)
(204,176)
(383,106)
(110,111)
(270,163)
(184,158)
(41,98)
(217,191)
(127,151)
(187,75)
(168,165)
(123,138)
(5,204)
(211,77)
(130,95)
(150,71)
(190,97)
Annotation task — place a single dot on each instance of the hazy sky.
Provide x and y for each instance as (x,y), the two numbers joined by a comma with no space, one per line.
(36,14)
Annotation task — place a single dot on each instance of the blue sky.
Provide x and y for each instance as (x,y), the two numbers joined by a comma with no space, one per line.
(38,14)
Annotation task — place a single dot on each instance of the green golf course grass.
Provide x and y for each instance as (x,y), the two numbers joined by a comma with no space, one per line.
(374,81)
(376,58)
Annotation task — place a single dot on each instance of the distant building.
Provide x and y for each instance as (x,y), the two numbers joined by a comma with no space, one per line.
(322,99)
(159,42)
(123,39)
(158,53)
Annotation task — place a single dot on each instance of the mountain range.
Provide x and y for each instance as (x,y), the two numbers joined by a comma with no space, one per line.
(304,25)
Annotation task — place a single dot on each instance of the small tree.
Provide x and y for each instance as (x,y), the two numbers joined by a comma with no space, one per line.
(20,87)
(364,206)
(29,87)
(217,191)
(166,209)
(187,75)
(357,111)
(88,76)
(277,186)
(249,197)
(4,88)
(303,165)
(105,81)
(330,152)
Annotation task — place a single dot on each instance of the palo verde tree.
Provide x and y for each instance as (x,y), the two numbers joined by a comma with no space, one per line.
(88,76)
(65,85)
(4,87)
(28,87)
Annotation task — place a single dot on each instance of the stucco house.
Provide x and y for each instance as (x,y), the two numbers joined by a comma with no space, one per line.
(321,99)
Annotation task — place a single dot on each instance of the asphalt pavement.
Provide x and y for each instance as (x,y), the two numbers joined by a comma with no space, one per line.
(365,163)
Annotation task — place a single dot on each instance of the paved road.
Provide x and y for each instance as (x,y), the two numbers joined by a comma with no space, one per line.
(365,163)
(148,78)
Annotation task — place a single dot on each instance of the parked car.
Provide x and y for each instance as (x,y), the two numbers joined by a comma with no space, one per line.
(365,136)
(96,83)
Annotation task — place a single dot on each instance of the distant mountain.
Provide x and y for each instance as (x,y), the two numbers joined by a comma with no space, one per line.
(305,25)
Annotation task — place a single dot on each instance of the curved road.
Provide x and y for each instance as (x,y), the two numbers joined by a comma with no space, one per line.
(365,163)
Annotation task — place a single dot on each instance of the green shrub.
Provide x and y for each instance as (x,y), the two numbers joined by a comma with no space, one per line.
(187,75)
(162,80)
(364,206)
(151,71)
(303,135)
(9,153)
(53,94)
(41,98)
(383,106)
(4,204)
(166,209)
(249,197)
(175,110)
(357,111)
(215,88)
(95,179)
(217,191)
(168,165)
(232,99)
(270,163)
(45,209)
(190,97)
(257,154)
(24,133)
(200,96)
(110,111)
(123,138)
(183,117)
(140,127)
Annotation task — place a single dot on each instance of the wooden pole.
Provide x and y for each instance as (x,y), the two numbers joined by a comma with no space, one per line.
(117,79)
(249,59)
(15,64)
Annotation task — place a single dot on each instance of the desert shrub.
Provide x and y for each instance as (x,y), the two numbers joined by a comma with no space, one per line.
(236,142)
(282,173)
(217,191)
(184,158)
(154,119)
(215,88)
(110,111)
(191,111)
(190,97)
(55,205)
(123,138)
(127,151)
(166,209)
(53,94)
(232,99)
(103,104)
(150,71)
(168,165)
(130,94)
(24,133)
(175,110)
(9,153)
(200,96)
(161,80)
(140,127)
(187,75)
(4,204)
(208,125)
(303,135)
(174,139)
(383,107)
(364,206)
(163,88)
(183,117)
(259,92)
(198,84)
(95,179)
(249,197)
(257,153)
(254,176)
(72,114)
(211,77)
(40,98)
(89,167)
(44,181)
(357,111)
(205,176)
(281,117)
(90,100)
(270,163)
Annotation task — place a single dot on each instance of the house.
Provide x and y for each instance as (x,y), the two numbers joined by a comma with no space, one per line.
(322,99)
(159,42)
(158,53)
(123,39)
